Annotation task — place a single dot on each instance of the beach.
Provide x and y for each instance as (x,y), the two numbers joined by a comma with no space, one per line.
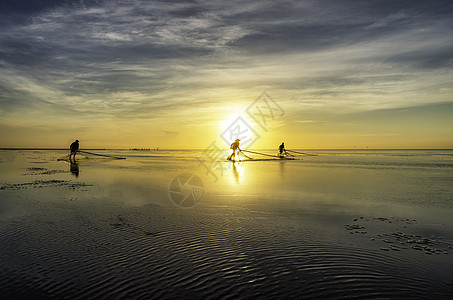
(177,224)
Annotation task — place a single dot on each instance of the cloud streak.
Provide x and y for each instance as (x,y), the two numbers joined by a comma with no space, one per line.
(151,60)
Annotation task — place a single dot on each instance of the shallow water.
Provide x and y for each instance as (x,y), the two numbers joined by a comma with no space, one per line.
(342,224)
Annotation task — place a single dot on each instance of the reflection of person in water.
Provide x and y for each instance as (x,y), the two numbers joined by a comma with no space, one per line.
(236,172)
(74,168)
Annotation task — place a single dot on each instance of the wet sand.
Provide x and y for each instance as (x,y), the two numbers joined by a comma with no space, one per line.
(322,227)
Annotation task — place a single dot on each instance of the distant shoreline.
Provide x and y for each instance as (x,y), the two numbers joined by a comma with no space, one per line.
(55,149)
(180,149)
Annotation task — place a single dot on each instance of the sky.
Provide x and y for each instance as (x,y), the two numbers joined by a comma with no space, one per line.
(188,74)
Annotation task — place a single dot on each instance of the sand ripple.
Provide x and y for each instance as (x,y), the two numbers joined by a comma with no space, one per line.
(157,253)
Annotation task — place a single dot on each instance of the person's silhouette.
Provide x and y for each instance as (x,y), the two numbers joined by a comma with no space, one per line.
(235,147)
(74,149)
(282,149)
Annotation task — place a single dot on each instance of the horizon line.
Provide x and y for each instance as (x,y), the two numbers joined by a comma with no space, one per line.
(201,149)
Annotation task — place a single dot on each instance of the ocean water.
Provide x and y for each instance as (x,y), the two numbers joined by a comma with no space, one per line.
(187,223)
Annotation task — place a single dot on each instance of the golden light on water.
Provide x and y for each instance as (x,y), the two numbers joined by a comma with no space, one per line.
(237,174)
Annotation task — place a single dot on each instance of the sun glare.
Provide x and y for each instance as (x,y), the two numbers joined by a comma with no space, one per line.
(228,122)
(237,126)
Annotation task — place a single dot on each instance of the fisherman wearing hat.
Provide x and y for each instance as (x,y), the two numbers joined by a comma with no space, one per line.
(235,147)
(282,150)
(74,149)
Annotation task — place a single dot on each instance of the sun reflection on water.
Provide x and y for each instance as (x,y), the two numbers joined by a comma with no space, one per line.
(237,172)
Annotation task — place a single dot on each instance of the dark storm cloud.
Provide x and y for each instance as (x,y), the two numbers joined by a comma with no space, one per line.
(14,12)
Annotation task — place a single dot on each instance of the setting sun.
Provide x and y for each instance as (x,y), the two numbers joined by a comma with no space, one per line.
(287,149)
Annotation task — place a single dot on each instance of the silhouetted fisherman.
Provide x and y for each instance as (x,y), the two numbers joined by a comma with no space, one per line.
(74,149)
(235,147)
(282,149)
